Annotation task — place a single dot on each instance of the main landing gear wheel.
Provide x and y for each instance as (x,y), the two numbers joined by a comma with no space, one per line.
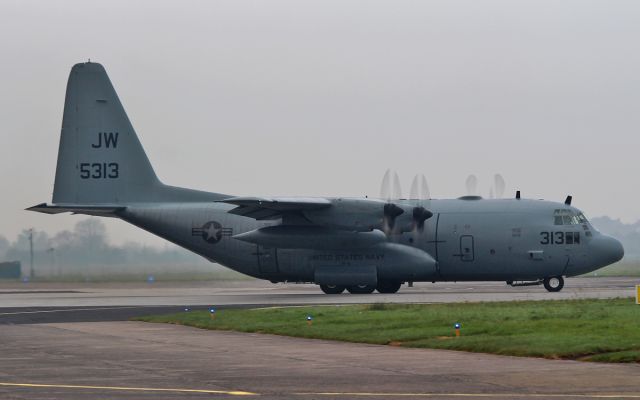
(554,283)
(388,287)
(361,289)
(332,289)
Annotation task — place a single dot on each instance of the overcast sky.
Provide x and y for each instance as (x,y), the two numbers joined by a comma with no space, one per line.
(320,97)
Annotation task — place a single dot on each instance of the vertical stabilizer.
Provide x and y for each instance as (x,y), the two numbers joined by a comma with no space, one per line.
(100,159)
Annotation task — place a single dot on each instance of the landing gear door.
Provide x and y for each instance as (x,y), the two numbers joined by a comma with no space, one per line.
(466,248)
(268,259)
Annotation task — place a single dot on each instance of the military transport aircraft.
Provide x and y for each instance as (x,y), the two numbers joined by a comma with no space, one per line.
(357,244)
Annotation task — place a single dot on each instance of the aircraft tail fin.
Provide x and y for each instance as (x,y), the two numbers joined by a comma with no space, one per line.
(100,159)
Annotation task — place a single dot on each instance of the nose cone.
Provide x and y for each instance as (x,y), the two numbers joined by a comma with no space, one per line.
(607,249)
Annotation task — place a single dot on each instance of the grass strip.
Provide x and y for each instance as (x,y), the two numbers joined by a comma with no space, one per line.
(606,330)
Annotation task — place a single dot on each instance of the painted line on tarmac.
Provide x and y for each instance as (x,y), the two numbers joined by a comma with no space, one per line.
(330,394)
(130,389)
(73,309)
(475,395)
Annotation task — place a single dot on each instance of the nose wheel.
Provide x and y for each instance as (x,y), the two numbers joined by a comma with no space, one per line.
(553,284)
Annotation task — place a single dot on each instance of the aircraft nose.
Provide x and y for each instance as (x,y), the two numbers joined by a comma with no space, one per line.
(609,249)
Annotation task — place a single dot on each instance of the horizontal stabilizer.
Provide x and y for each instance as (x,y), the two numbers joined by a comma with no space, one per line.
(262,208)
(97,210)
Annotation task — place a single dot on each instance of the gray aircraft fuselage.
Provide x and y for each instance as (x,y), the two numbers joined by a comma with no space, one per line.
(360,244)
(479,239)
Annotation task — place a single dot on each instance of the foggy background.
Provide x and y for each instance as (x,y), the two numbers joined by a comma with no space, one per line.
(319,98)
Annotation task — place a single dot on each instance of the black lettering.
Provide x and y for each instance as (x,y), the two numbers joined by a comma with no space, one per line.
(114,170)
(84,171)
(568,237)
(545,238)
(110,139)
(559,237)
(99,144)
(97,171)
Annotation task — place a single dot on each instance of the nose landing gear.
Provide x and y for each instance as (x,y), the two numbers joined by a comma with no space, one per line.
(554,283)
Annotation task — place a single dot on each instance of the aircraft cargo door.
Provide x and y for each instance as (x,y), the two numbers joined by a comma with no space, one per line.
(268,260)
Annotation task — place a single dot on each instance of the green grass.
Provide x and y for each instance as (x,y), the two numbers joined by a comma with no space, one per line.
(587,330)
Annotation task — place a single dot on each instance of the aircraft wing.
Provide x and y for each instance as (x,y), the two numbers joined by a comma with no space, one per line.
(263,208)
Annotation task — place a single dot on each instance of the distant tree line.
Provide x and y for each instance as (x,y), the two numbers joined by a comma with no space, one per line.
(87,248)
(628,234)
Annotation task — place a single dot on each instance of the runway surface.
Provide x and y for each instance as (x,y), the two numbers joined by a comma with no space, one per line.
(264,293)
(101,360)
(73,341)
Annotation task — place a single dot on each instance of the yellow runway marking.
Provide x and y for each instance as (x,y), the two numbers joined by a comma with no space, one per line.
(477,395)
(332,394)
(124,388)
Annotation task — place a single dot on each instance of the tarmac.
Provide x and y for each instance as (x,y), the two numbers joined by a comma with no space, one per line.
(79,345)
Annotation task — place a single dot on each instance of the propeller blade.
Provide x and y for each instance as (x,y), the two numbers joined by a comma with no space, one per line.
(385,186)
(414,189)
(424,189)
(472,185)
(390,213)
(420,215)
(420,191)
(397,190)
(390,190)
(499,185)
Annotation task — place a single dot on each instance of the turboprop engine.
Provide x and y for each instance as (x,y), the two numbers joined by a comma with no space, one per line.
(363,215)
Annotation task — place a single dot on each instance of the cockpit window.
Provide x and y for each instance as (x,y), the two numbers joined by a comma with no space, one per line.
(567,217)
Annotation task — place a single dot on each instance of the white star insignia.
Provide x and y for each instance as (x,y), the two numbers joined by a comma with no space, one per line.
(212,232)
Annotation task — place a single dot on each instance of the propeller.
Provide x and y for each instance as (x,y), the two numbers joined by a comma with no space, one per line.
(472,185)
(390,190)
(496,191)
(420,213)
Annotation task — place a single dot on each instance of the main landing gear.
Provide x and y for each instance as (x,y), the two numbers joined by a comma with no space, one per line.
(332,289)
(382,287)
